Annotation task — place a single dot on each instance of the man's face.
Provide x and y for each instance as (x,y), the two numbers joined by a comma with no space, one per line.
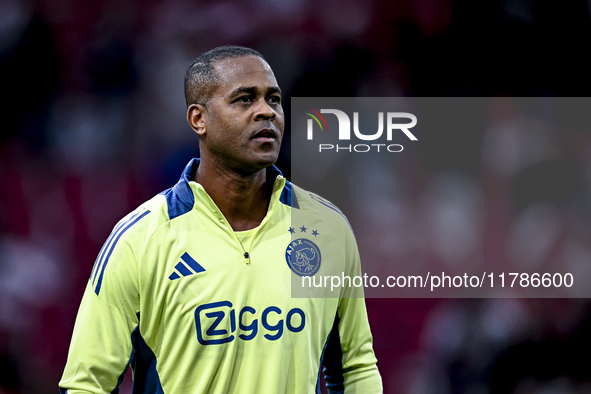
(243,120)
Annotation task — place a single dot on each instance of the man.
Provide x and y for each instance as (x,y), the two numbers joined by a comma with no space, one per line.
(192,289)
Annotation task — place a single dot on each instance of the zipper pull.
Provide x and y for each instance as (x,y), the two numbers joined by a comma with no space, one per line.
(246,258)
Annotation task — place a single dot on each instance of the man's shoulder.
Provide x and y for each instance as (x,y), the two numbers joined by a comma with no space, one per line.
(126,242)
(160,209)
(142,221)
(308,200)
(313,205)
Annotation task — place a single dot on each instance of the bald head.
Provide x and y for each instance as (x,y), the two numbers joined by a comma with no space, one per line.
(201,78)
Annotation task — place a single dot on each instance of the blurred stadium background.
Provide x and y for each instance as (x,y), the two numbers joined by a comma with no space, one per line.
(93,124)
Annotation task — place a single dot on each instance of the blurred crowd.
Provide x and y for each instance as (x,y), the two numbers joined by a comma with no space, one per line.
(94,124)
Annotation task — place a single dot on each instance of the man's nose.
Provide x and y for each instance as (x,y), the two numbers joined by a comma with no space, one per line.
(265,111)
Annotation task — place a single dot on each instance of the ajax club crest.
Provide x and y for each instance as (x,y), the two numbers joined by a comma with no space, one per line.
(303,257)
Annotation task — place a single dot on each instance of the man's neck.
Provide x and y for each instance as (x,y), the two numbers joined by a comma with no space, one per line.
(241,198)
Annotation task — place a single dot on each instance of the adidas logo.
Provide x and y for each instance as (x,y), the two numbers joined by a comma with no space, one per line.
(186,267)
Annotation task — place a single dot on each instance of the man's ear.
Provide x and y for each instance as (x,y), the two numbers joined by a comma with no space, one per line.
(195,117)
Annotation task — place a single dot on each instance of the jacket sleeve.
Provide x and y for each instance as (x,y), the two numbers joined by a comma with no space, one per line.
(101,345)
(349,360)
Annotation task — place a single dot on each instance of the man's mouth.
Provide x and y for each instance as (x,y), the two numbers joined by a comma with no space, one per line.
(265,135)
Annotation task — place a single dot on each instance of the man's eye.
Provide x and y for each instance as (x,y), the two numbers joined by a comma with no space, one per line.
(274,99)
(244,99)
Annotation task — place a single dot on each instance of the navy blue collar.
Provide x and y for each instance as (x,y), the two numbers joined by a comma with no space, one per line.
(180,198)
